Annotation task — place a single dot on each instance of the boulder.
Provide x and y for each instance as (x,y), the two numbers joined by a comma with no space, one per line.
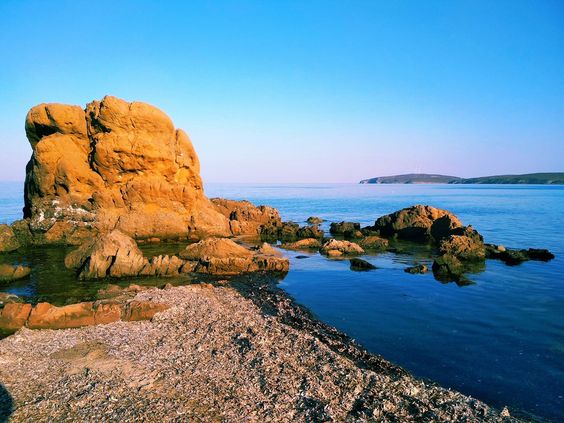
(516,256)
(313,220)
(10,272)
(417,269)
(448,268)
(374,242)
(303,244)
(8,240)
(121,165)
(335,248)
(358,264)
(417,223)
(311,231)
(221,256)
(112,254)
(339,228)
(13,316)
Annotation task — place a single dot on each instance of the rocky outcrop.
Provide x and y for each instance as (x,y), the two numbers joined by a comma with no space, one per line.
(120,165)
(303,244)
(336,248)
(221,256)
(246,218)
(14,316)
(361,265)
(314,220)
(116,255)
(517,256)
(9,272)
(417,223)
(448,268)
(468,246)
(290,231)
(8,240)
(340,228)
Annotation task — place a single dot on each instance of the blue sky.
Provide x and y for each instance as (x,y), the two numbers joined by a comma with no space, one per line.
(304,91)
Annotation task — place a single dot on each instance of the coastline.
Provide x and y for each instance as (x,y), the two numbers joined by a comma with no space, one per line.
(234,352)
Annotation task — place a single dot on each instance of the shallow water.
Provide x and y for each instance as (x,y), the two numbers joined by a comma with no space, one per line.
(500,339)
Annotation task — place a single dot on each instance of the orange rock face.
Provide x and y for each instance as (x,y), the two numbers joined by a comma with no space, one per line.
(115,165)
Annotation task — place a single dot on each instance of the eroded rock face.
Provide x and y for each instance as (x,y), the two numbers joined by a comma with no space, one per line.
(246,218)
(419,223)
(115,165)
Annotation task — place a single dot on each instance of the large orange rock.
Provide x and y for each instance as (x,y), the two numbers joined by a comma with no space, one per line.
(115,165)
(13,316)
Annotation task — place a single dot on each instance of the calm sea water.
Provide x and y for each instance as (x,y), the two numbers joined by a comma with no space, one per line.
(500,340)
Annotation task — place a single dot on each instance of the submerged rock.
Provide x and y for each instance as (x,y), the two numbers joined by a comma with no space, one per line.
(515,256)
(374,242)
(10,272)
(336,248)
(417,269)
(447,268)
(361,265)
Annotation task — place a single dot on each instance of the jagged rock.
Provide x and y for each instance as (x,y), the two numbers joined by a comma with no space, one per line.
(221,256)
(339,228)
(10,272)
(303,244)
(113,254)
(447,268)
(313,220)
(418,223)
(361,265)
(466,248)
(8,240)
(335,248)
(246,218)
(374,242)
(417,269)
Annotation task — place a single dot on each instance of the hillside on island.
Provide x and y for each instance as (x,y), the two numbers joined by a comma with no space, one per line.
(554,178)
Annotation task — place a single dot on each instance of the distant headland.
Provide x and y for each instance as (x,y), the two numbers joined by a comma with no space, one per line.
(554,178)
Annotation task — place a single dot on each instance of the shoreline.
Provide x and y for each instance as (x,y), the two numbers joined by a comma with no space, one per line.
(224,352)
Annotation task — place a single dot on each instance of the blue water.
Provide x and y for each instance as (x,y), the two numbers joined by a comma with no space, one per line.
(500,339)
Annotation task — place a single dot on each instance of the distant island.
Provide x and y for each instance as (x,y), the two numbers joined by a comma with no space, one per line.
(555,178)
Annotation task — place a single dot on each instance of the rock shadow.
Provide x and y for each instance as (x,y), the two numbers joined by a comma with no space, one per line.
(6,404)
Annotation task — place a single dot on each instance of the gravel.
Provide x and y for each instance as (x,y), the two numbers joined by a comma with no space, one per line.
(226,353)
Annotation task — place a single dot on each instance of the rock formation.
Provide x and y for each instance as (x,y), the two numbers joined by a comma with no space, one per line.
(417,223)
(120,165)
(115,254)
(9,272)
(8,240)
(336,248)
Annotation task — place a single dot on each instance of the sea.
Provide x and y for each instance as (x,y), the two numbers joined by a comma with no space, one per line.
(499,339)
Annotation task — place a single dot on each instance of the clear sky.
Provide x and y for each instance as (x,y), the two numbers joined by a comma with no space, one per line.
(304,91)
